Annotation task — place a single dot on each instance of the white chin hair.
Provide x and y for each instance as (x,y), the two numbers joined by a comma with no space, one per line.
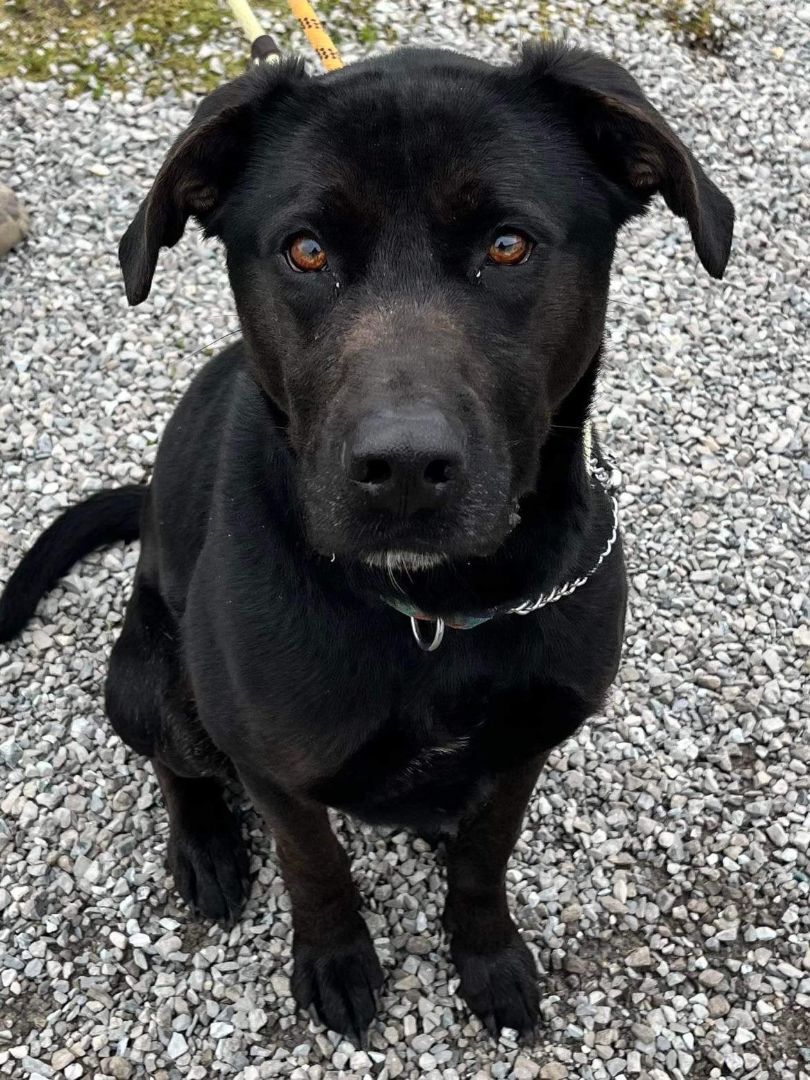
(406,561)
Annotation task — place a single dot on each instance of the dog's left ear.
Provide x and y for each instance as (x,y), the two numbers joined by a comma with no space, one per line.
(632,143)
(200,168)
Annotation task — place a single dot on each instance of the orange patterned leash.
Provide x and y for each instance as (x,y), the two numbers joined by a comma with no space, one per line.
(316,35)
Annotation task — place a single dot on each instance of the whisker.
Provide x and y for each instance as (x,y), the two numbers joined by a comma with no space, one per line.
(202,348)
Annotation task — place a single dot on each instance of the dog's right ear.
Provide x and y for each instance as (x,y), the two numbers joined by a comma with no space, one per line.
(631,142)
(200,168)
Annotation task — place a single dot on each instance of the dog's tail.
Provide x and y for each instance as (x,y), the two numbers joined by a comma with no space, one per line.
(102,519)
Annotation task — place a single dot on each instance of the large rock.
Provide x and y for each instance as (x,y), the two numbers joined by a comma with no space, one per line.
(13,220)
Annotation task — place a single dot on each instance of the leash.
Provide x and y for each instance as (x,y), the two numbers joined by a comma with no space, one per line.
(263,48)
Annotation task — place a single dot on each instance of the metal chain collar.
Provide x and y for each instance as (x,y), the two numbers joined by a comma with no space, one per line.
(559,591)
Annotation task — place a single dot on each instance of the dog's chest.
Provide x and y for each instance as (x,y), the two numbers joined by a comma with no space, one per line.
(409,774)
(429,762)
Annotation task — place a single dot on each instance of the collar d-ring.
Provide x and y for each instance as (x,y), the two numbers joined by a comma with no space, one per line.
(438,634)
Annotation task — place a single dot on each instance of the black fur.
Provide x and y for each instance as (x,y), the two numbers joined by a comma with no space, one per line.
(102,519)
(258,640)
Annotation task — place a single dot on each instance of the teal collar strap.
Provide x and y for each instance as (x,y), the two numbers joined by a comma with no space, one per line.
(455,622)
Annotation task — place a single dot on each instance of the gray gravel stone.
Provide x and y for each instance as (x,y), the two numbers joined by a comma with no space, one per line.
(13,220)
(639,958)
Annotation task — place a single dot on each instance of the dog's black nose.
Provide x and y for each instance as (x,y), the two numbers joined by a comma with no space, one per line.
(406,459)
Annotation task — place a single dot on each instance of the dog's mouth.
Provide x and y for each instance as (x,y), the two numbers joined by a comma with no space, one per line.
(398,561)
(409,559)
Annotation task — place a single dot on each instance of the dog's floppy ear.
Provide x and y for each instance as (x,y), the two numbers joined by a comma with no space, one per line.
(199,168)
(632,143)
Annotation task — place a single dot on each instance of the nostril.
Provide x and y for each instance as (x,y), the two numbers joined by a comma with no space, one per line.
(439,471)
(373,471)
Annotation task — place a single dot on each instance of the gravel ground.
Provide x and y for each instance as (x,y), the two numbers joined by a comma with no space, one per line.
(663,874)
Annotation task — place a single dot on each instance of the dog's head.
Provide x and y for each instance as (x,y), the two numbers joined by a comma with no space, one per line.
(419,247)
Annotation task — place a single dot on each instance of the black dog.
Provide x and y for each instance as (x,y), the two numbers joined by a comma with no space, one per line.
(419,247)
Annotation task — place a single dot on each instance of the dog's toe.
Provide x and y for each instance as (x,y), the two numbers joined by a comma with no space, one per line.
(210,867)
(339,982)
(500,987)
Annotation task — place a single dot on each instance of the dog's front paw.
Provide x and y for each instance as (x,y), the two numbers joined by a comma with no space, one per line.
(339,981)
(500,986)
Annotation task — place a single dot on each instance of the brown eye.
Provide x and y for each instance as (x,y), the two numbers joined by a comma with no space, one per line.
(509,249)
(305,253)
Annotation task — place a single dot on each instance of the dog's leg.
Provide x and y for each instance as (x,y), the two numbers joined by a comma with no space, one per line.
(497,971)
(151,710)
(336,970)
